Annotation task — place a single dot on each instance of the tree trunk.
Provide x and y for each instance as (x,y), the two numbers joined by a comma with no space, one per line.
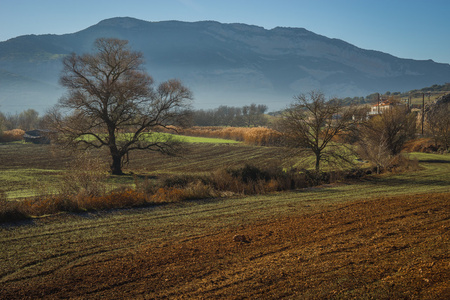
(317,163)
(116,166)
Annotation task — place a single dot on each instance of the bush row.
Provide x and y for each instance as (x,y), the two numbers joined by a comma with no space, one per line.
(88,195)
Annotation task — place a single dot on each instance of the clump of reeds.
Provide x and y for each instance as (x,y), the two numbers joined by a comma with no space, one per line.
(11,135)
(259,136)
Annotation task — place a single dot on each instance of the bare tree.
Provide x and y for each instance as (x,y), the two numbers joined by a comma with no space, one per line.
(438,123)
(372,145)
(111,102)
(397,125)
(2,122)
(311,122)
(253,115)
(28,119)
(382,137)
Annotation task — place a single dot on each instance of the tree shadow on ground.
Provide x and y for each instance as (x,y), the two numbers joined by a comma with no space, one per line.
(434,161)
(406,181)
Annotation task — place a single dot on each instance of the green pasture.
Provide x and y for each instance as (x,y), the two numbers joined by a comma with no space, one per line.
(28,182)
(195,139)
(158,136)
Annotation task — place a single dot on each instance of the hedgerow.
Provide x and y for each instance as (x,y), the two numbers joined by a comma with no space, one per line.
(79,197)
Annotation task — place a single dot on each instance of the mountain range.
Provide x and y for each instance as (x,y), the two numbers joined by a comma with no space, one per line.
(223,64)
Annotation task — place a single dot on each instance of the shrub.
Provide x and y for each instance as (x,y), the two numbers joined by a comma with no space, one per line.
(253,180)
(191,190)
(12,135)
(10,210)
(84,177)
(167,195)
(181,181)
(115,199)
(402,163)
(198,190)
(316,178)
(46,205)
(249,174)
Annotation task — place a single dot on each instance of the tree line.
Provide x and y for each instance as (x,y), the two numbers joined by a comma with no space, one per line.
(25,120)
(246,116)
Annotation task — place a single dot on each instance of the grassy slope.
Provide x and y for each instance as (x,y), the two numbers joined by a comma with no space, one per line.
(55,249)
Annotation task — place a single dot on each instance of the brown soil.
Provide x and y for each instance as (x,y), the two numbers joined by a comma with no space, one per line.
(389,248)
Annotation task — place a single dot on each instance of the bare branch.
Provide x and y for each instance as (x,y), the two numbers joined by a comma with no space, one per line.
(311,122)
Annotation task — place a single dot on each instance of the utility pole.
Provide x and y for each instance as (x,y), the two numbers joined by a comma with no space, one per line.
(409,102)
(378,107)
(423,110)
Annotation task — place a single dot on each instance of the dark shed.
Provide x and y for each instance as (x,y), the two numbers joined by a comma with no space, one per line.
(37,136)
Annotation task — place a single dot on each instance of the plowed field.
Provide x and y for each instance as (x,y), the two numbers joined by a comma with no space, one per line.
(385,248)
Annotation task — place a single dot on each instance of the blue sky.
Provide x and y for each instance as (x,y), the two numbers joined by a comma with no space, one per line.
(416,29)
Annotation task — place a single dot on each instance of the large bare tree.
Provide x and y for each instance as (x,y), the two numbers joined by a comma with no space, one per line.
(111,102)
(311,122)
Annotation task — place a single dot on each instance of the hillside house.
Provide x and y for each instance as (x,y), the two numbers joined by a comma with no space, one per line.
(382,107)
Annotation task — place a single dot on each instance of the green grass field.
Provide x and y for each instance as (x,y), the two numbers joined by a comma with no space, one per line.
(180,138)
(195,139)
(28,170)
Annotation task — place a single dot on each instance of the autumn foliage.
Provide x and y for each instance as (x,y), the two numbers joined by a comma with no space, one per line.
(259,136)
(12,135)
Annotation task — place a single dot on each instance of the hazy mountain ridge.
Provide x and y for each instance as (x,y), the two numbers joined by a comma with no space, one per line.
(225,63)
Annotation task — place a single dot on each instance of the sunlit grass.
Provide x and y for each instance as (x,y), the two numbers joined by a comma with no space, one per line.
(164,137)
(194,139)
(28,182)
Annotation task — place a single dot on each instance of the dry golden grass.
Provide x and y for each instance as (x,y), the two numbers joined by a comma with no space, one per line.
(12,135)
(420,145)
(259,136)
